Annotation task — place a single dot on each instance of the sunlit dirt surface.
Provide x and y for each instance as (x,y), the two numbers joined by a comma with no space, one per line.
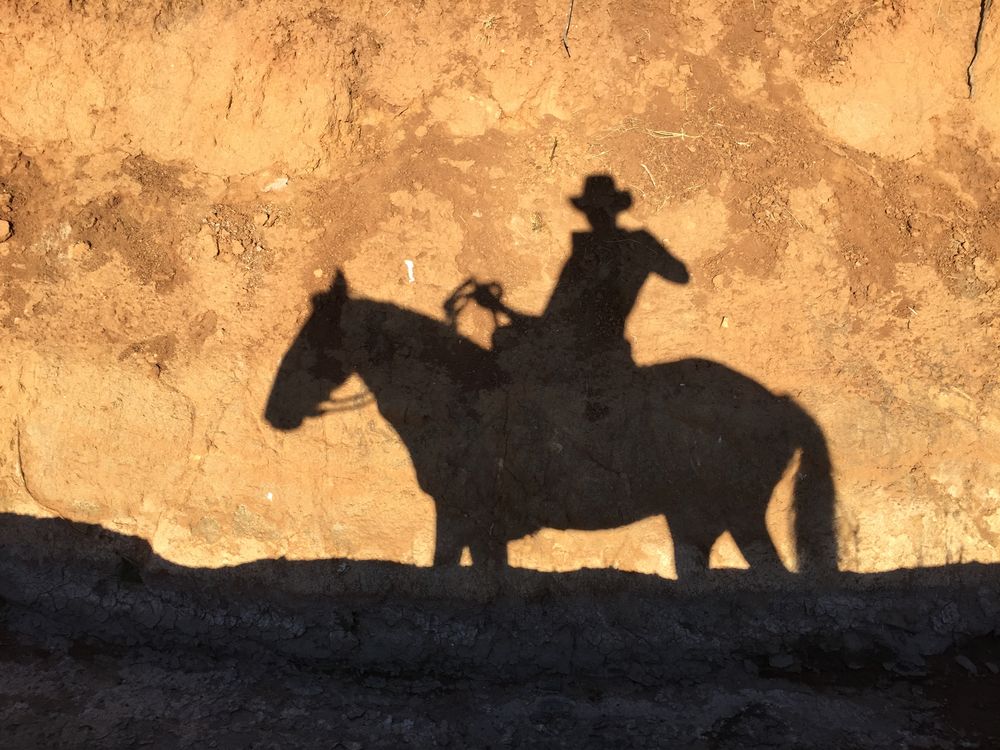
(179,178)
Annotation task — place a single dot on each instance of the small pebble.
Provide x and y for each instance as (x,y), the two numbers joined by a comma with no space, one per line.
(5,200)
(78,250)
(207,244)
(279,184)
(966,663)
(5,230)
(260,218)
(725,321)
(781,661)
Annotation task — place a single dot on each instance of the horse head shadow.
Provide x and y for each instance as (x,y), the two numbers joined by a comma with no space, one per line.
(556,426)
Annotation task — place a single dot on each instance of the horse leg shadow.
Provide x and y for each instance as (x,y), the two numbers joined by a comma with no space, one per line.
(692,552)
(755,542)
(456,532)
(691,557)
(489,552)
(447,549)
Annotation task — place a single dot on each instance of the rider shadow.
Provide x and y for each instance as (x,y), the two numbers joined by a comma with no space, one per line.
(556,426)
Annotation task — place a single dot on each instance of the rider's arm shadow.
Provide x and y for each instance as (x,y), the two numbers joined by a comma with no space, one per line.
(656,258)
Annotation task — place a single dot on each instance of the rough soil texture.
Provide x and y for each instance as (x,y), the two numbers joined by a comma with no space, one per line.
(179,178)
(835,200)
(104,642)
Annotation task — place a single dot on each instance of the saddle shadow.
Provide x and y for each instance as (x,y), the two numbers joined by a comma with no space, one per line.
(556,426)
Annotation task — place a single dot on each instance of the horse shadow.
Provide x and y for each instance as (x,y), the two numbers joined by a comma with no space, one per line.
(556,426)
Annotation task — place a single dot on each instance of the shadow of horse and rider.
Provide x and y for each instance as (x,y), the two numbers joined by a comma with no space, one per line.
(556,426)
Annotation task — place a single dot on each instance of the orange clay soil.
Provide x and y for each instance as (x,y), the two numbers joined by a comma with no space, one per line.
(180,177)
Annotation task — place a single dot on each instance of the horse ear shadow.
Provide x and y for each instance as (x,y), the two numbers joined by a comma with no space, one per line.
(339,285)
(338,291)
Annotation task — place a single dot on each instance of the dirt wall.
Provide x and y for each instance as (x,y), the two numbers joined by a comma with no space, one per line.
(181,177)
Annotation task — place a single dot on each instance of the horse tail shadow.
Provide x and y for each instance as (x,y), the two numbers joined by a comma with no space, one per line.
(814,499)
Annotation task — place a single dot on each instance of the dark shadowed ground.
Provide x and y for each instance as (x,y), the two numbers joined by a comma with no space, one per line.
(106,644)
